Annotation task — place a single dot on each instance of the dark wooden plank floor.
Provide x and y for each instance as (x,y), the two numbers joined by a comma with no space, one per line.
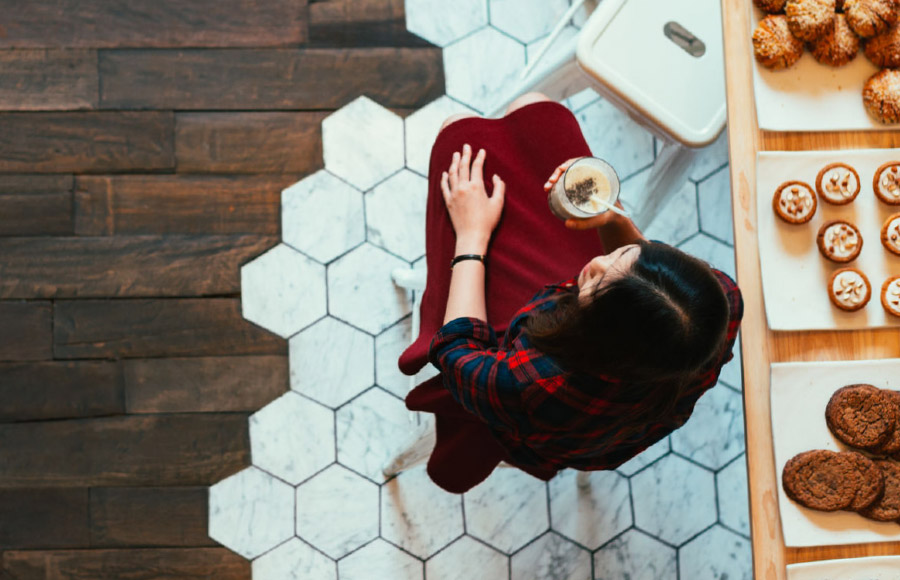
(143,148)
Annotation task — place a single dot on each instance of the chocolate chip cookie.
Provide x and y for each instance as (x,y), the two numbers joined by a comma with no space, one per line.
(870,479)
(861,416)
(821,480)
(887,508)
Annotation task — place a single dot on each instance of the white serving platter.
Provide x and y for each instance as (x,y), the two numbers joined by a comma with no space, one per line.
(812,97)
(873,568)
(799,393)
(795,276)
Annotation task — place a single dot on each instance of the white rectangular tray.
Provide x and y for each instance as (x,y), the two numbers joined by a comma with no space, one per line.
(799,393)
(795,276)
(810,96)
(872,568)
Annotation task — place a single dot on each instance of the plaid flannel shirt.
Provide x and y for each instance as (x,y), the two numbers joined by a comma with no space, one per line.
(547,417)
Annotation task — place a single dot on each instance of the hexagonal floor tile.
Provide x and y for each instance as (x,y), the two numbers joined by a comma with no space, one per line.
(477,81)
(466,559)
(716,553)
(636,556)
(551,557)
(590,508)
(337,511)
(441,22)
(526,20)
(507,510)
(389,345)
(332,362)
(362,143)
(614,136)
(715,206)
(674,499)
(380,560)
(251,512)
(419,516)
(294,560)
(710,158)
(645,458)
(582,99)
(283,291)
(395,215)
(712,251)
(361,291)
(560,44)
(322,216)
(714,435)
(734,505)
(423,126)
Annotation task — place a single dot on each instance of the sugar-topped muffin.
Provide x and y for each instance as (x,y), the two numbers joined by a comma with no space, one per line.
(884,50)
(795,202)
(837,183)
(887,183)
(773,44)
(770,6)
(838,46)
(839,241)
(870,17)
(881,96)
(849,289)
(809,19)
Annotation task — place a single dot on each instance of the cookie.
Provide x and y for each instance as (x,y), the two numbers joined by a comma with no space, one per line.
(868,18)
(809,19)
(849,289)
(869,479)
(887,508)
(881,96)
(838,46)
(861,416)
(892,445)
(839,241)
(890,234)
(890,295)
(770,6)
(884,50)
(821,480)
(886,183)
(838,184)
(773,44)
(795,202)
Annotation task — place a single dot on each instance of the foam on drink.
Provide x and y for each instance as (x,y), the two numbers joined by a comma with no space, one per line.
(588,188)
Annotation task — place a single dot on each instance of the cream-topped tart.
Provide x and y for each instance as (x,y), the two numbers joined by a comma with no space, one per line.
(795,202)
(887,183)
(890,295)
(839,241)
(890,234)
(838,183)
(849,289)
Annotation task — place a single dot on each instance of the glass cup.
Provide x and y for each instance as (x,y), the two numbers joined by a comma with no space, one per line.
(583,187)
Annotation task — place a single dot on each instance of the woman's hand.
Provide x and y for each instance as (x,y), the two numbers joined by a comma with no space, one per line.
(474,215)
(598,221)
(557,173)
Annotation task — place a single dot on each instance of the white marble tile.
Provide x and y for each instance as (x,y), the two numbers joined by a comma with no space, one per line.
(675,499)
(322,216)
(645,458)
(395,215)
(331,362)
(731,372)
(715,206)
(551,557)
(361,291)
(419,516)
(710,158)
(712,251)
(734,508)
(560,44)
(371,430)
(481,82)
(466,559)
(251,512)
(714,555)
(389,345)
(714,435)
(422,129)
(614,136)
(590,507)
(380,560)
(677,219)
(294,560)
(292,437)
(441,22)
(526,20)
(582,99)
(636,556)
(362,143)
(507,510)
(337,511)
(283,291)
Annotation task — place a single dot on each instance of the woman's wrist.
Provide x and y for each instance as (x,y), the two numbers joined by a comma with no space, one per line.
(472,244)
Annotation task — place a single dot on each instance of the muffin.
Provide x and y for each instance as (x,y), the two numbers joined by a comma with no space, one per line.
(870,17)
(881,96)
(773,44)
(838,46)
(890,234)
(839,241)
(887,183)
(849,289)
(809,19)
(884,50)
(837,184)
(890,295)
(770,6)
(795,202)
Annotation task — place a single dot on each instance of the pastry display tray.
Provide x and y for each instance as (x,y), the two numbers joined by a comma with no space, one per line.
(795,276)
(872,568)
(799,393)
(810,96)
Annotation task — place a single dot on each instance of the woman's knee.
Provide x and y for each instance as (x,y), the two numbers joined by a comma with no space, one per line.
(454,118)
(526,99)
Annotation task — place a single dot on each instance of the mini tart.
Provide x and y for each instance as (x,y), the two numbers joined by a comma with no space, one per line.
(774,46)
(870,17)
(837,183)
(809,19)
(795,202)
(770,6)
(890,234)
(838,46)
(881,96)
(849,289)
(839,241)
(884,50)
(887,183)
(890,295)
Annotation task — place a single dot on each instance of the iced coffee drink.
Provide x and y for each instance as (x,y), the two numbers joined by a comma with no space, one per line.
(587,188)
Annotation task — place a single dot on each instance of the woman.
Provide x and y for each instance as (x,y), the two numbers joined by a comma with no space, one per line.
(591,371)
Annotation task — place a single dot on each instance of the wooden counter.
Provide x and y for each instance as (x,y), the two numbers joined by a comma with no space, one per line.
(759,345)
